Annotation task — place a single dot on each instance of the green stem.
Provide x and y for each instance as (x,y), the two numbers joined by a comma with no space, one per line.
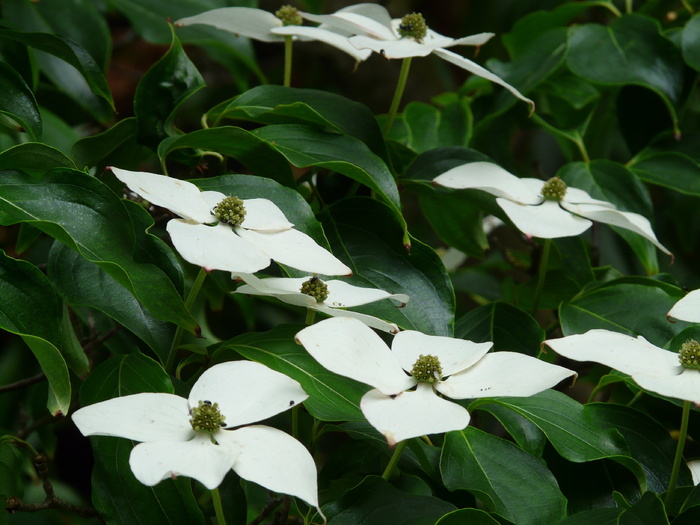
(191,296)
(682,434)
(389,470)
(403,76)
(310,316)
(287,60)
(542,275)
(218,508)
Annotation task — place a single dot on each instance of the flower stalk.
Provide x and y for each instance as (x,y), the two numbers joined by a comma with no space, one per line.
(398,94)
(218,507)
(675,470)
(189,301)
(391,466)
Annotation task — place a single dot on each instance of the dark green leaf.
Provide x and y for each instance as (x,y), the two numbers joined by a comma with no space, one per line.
(594,517)
(161,90)
(331,397)
(471,516)
(673,170)
(509,481)
(34,158)
(367,237)
(17,101)
(647,511)
(376,502)
(116,146)
(691,42)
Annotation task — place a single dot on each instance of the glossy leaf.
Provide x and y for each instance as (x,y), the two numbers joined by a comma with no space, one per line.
(84,214)
(161,90)
(117,495)
(27,296)
(115,146)
(365,234)
(17,101)
(34,158)
(471,516)
(691,42)
(670,169)
(331,397)
(509,481)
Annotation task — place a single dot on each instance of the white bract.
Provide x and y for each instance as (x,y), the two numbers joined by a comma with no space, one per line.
(374,29)
(340,295)
(651,367)
(243,392)
(688,308)
(202,239)
(404,403)
(536,216)
(266,27)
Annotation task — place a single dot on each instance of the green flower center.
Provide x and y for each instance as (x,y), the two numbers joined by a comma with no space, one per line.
(231,211)
(690,355)
(206,417)
(316,288)
(289,15)
(427,369)
(554,189)
(413,26)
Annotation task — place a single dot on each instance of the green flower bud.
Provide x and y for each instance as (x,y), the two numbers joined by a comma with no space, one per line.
(413,26)
(554,189)
(206,417)
(289,15)
(427,369)
(231,211)
(316,288)
(689,355)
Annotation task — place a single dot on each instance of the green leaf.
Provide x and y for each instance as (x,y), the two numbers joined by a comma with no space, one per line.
(32,310)
(507,326)
(331,397)
(34,158)
(115,146)
(84,214)
(81,282)
(375,502)
(471,516)
(272,104)
(67,51)
(608,306)
(691,42)
(167,84)
(594,517)
(670,169)
(507,480)
(117,495)
(366,236)
(649,510)
(17,101)
(631,50)
(304,146)
(256,154)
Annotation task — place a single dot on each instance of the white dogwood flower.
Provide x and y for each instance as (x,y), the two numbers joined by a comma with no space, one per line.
(406,378)
(226,233)
(545,209)
(330,297)
(667,373)
(688,308)
(210,433)
(268,27)
(374,29)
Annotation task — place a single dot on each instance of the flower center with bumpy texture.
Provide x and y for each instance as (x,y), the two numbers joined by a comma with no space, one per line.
(554,189)
(689,355)
(206,417)
(231,211)
(316,288)
(427,369)
(289,15)
(413,26)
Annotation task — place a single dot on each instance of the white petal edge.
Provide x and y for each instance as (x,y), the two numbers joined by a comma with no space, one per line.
(679,383)
(454,354)
(141,417)
(348,347)
(199,459)
(243,21)
(369,320)
(179,196)
(491,178)
(688,308)
(216,247)
(327,37)
(344,295)
(296,249)
(619,351)
(547,221)
(285,289)
(501,374)
(623,219)
(412,414)
(356,21)
(247,392)
(402,48)
(276,461)
(694,467)
(476,69)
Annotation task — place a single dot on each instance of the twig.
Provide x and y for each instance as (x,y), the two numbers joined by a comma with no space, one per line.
(22,383)
(272,503)
(14,504)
